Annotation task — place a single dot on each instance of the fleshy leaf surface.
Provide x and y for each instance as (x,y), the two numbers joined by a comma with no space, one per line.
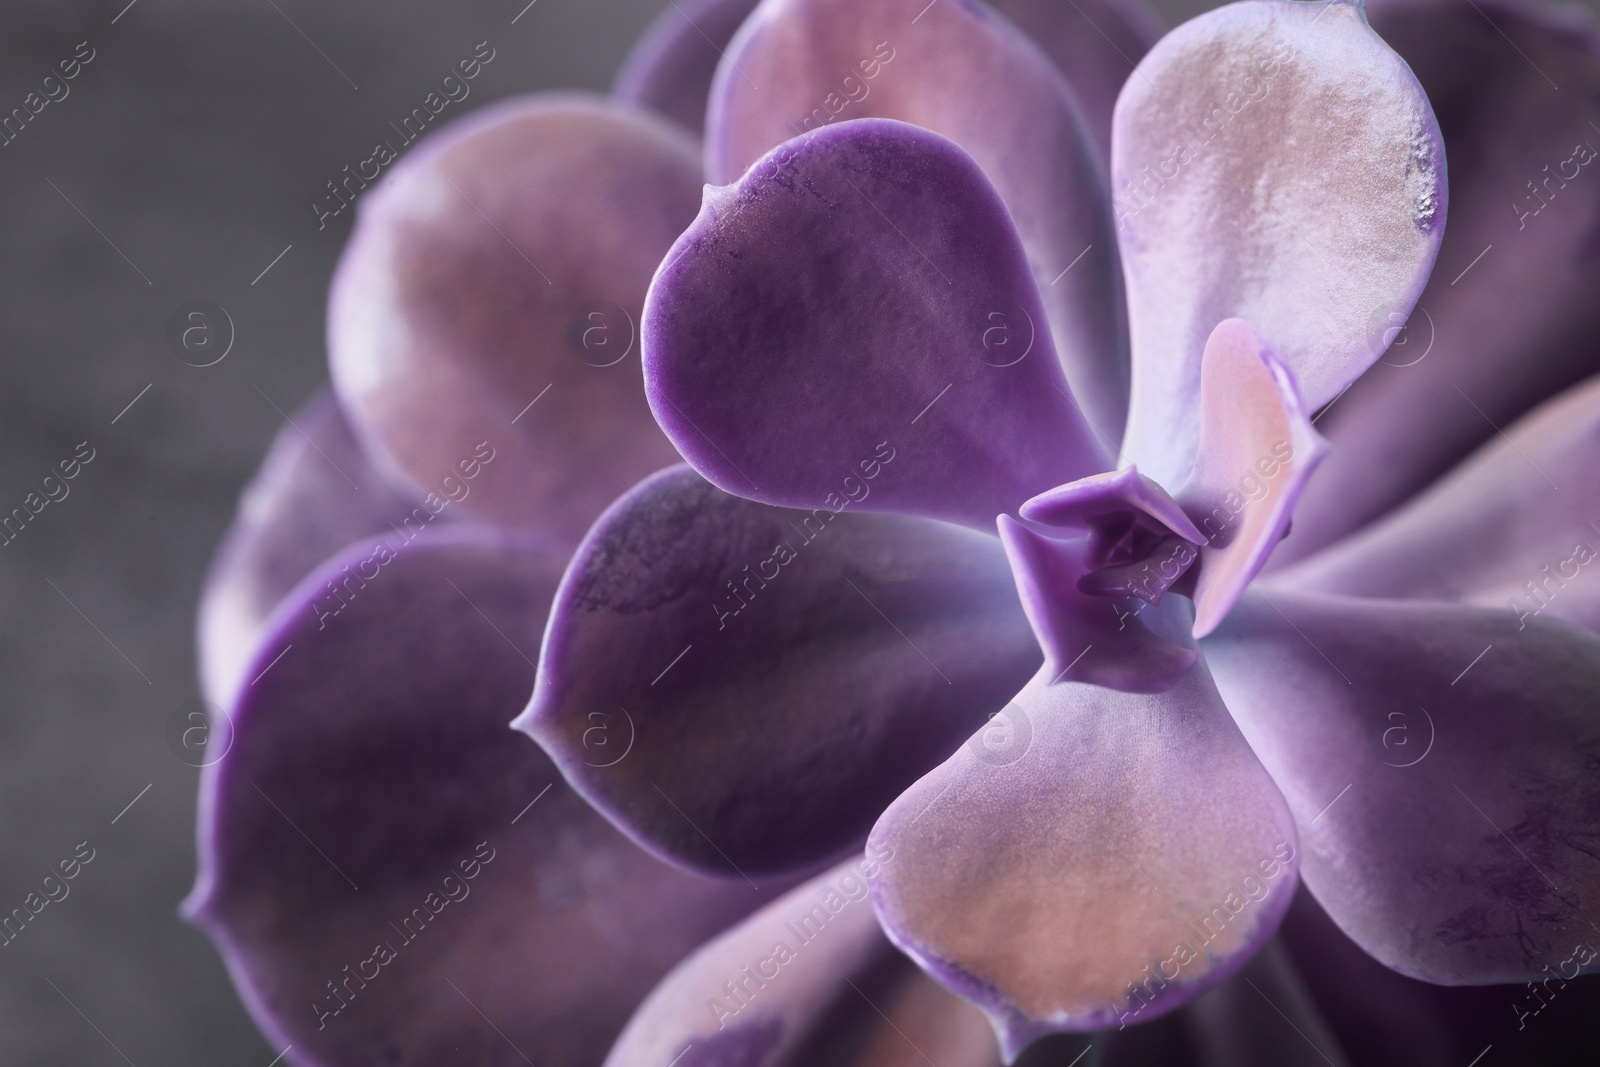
(1515,86)
(1443,766)
(744,688)
(1385,1019)
(1513,527)
(391,874)
(1077,505)
(1258,448)
(959,70)
(1272,161)
(314,494)
(1121,642)
(837,306)
(809,979)
(1092,858)
(487,304)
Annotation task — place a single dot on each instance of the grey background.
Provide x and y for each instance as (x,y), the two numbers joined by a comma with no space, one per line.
(195,142)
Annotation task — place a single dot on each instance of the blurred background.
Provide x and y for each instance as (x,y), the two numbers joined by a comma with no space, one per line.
(180,167)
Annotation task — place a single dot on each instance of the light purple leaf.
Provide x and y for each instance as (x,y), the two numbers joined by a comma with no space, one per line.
(1257,450)
(1272,161)
(1508,318)
(484,315)
(1090,858)
(1441,765)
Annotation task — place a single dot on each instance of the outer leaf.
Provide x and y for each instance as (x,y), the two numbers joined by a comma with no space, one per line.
(809,979)
(1095,44)
(1262,1016)
(1385,1019)
(669,69)
(1443,767)
(314,494)
(484,314)
(1513,527)
(392,876)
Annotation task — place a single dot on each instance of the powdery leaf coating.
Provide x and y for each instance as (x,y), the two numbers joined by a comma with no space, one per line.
(1513,527)
(801,982)
(1509,317)
(1257,451)
(370,866)
(1109,857)
(490,297)
(1441,764)
(742,688)
(314,494)
(669,69)
(1272,161)
(861,291)
(957,69)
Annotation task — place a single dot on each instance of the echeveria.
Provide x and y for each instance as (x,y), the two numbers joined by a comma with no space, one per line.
(956,650)
(1279,177)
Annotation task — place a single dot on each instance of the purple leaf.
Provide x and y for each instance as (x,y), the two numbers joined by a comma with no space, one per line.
(1512,527)
(1441,765)
(809,979)
(744,688)
(857,301)
(314,494)
(1094,43)
(391,874)
(959,70)
(1384,1019)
